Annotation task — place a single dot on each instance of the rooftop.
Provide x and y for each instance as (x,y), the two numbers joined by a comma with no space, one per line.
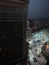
(18,1)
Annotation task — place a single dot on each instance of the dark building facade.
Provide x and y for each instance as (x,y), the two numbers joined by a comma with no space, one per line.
(13,17)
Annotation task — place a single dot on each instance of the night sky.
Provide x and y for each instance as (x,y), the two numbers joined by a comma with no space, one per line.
(38,9)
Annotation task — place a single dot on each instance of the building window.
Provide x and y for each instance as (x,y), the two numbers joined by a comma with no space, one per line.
(16,13)
(10,9)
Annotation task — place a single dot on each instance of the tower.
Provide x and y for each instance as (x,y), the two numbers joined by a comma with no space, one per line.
(13,17)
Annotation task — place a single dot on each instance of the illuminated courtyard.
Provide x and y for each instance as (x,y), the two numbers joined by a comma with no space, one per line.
(38,40)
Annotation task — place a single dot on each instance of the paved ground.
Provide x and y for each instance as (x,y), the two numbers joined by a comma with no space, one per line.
(33,54)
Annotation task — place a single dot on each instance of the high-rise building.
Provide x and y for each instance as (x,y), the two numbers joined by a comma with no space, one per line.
(13,17)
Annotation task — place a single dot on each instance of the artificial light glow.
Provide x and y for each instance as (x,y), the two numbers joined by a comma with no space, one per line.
(47,46)
(43,41)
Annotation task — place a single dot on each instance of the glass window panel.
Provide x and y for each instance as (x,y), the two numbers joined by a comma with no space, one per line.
(12,9)
(18,10)
(0,14)
(4,8)
(8,8)
(10,16)
(0,8)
